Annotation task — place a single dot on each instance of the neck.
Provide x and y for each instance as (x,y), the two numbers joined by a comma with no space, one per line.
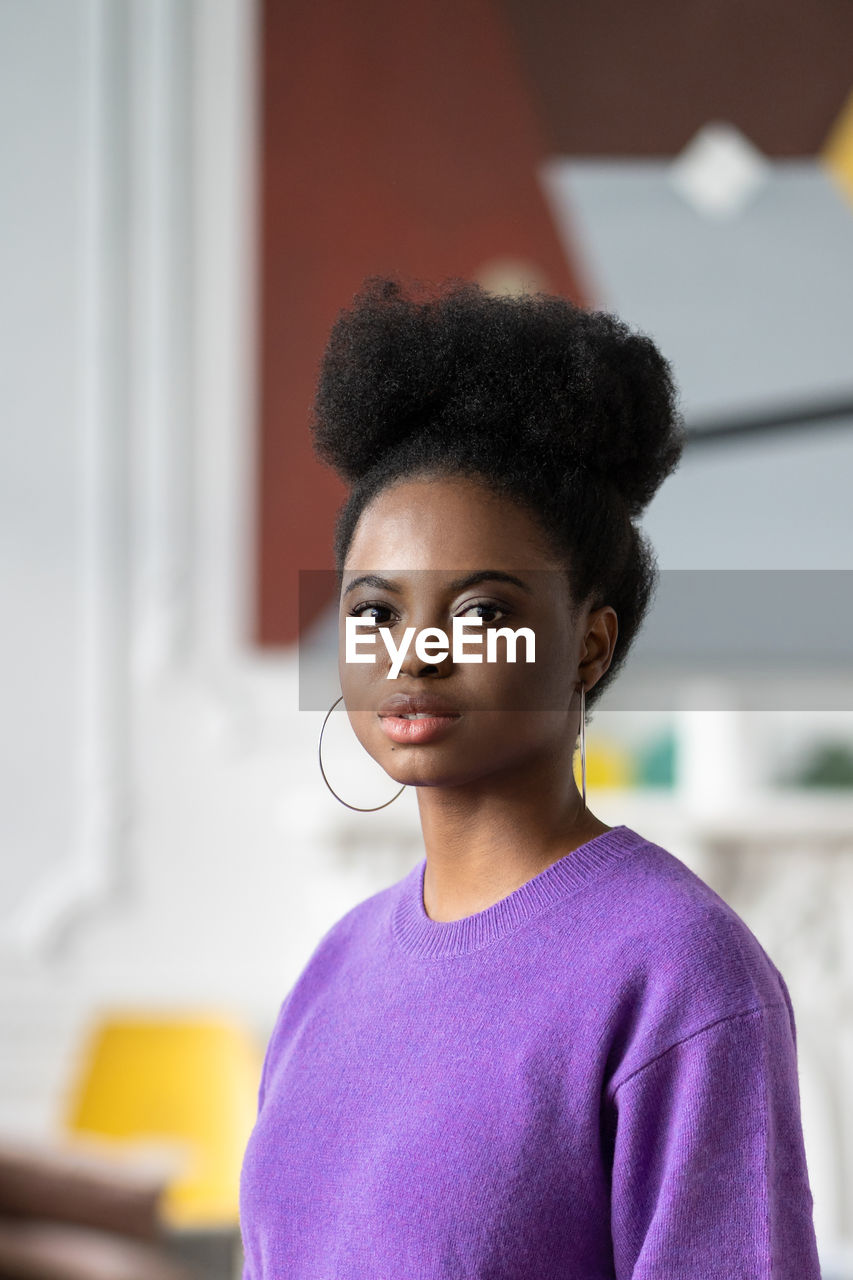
(486,838)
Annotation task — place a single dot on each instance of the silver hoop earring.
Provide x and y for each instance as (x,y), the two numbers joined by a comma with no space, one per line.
(583,744)
(357,808)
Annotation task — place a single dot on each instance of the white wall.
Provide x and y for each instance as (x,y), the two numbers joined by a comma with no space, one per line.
(156,842)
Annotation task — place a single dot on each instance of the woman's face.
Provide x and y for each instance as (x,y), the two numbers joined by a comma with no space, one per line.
(421,538)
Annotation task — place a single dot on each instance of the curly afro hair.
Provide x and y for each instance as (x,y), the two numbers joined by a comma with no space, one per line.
(564,411)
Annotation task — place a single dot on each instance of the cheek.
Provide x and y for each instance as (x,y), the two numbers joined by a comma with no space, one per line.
(509,729)
(543,685)
(364,727)
(360,682)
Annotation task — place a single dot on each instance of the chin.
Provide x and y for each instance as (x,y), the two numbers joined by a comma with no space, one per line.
(428,772)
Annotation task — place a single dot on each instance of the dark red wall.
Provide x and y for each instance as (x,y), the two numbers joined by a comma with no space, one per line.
(396,138)
(613,78)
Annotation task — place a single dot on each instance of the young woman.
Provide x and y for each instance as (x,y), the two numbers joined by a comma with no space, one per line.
(550,1050)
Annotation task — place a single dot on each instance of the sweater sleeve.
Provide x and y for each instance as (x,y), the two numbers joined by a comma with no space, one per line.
(709,1178)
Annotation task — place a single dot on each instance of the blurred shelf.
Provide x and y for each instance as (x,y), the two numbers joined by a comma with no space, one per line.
(784,813)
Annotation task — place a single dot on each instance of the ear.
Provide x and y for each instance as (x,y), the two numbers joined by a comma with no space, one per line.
(600,633)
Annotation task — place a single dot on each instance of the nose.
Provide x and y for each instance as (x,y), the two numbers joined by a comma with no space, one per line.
(430,626)
(412,665)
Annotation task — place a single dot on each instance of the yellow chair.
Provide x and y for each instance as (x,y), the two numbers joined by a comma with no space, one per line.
(188,1082)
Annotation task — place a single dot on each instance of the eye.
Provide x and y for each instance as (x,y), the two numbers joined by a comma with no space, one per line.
(488,605)
(361,611)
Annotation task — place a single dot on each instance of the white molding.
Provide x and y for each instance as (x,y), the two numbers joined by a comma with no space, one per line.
(167,464)
(160,407)
(100,766)
(225,149)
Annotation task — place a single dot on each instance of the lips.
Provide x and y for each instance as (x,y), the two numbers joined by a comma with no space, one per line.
(402,705)
(417,719)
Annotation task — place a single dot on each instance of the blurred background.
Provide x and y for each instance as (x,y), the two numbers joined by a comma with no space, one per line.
(190,190)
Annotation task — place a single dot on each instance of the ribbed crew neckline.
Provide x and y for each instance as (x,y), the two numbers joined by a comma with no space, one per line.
(420,935)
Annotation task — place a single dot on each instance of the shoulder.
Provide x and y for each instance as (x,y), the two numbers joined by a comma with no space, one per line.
(678,958)
(671,922)
(358,933)
(363,922)
(352,940)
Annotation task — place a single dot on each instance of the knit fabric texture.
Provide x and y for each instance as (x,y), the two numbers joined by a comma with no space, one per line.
(594,1078)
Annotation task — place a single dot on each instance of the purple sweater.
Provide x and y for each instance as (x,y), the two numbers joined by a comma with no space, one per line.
(593,1078)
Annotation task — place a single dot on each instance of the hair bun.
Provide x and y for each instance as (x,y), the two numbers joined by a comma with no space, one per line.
(532,374)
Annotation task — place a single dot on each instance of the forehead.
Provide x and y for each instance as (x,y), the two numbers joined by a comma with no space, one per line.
(446,523)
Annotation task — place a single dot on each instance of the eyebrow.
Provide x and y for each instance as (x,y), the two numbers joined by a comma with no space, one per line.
(458,584)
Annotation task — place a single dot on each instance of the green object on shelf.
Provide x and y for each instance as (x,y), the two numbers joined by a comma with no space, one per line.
(656,762)
(830,764)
